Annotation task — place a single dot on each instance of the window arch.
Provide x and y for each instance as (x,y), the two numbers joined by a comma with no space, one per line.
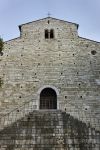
(51,34)
(48,99)
(46,34)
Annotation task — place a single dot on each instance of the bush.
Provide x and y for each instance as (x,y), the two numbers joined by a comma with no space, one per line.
(1,44)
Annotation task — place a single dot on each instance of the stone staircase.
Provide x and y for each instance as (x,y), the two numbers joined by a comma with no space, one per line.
(49,130)
(26,128)
(29,106)
(17,113)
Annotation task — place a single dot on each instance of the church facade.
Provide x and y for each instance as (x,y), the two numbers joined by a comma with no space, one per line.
(50,89)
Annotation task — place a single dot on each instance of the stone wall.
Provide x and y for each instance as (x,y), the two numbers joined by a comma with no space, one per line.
(52,130)
(68,63)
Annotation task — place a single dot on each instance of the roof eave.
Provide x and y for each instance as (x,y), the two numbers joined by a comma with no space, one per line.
(48,18)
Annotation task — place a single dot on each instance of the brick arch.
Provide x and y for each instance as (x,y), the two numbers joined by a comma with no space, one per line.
(48,99)
(52,93)
(48,86)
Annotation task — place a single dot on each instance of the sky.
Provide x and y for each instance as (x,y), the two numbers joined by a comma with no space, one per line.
(86,13)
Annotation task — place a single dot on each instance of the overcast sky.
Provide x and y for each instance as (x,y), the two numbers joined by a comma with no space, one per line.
(86,13)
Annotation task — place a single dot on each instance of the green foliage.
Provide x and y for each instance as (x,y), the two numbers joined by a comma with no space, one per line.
(1,44)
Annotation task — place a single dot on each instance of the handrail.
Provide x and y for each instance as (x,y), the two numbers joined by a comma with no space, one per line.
(17,113)
(16,108)
(29,106)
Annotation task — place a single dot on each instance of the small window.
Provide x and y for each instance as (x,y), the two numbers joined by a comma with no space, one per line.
(93,52)
(48,21)
(51,34)
(46,34)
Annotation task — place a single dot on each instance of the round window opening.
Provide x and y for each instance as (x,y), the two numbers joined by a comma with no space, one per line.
(48,99)
(93,52)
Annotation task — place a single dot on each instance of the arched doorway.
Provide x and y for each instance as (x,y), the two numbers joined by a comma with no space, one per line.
(48,99)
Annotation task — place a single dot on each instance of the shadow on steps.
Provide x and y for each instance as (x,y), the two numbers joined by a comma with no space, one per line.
(49,130)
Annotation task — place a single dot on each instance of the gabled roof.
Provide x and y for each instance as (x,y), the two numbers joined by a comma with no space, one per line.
(49,18)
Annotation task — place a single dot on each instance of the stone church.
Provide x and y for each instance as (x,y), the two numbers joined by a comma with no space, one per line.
(50,89)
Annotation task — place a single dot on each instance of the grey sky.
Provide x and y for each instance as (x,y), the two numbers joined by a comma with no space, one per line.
(84,12)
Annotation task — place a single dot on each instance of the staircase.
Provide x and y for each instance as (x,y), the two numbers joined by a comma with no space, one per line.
(49,130)
(29,106)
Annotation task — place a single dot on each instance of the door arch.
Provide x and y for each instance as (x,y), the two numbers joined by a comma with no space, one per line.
(48,99)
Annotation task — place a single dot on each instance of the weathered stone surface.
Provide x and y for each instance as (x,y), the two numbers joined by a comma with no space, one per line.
(67,63)
(53,130)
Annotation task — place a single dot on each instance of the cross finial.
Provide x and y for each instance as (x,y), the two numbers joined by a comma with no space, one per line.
(49,14)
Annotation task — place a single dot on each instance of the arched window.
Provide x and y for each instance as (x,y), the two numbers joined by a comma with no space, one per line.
(51,34)
(46,34)
(48,99)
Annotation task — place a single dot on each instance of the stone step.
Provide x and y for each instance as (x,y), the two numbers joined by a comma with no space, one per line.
(52,130)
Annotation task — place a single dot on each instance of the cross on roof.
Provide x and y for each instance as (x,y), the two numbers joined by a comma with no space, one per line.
(49,14)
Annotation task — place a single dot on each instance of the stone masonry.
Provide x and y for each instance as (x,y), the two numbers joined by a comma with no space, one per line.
(49,130)
(65,63)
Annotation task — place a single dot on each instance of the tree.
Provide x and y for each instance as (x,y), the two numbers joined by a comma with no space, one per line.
(1,46)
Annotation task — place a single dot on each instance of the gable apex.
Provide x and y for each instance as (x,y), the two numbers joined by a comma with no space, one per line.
(47,19)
